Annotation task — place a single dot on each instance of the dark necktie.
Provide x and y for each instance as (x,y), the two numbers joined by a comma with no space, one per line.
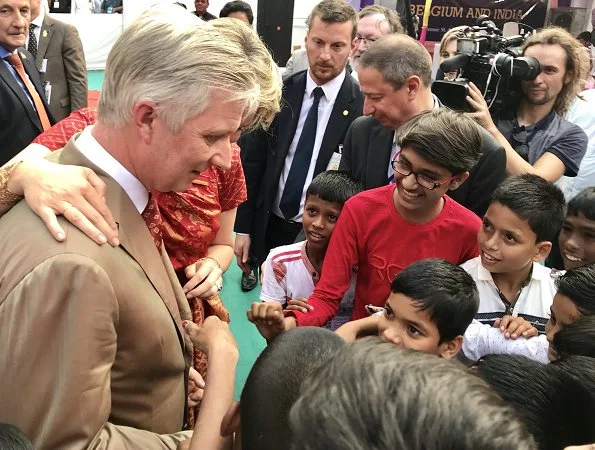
(153,219)
(294,186)
(32,47)
(17,64)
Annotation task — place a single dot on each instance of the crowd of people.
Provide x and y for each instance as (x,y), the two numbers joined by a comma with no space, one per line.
(428,275)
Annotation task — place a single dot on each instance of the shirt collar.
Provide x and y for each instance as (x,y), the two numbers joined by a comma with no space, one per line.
(331,89)
(4,53)
(309,267)
(39,19)
(94,152)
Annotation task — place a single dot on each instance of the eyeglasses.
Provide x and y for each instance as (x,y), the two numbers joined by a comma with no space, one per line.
(366,41)
(404,169)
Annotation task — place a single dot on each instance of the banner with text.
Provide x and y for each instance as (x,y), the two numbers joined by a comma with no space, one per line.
(445,14)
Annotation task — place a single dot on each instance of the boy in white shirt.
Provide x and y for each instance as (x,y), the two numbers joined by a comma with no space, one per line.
(291,271)
(518,228)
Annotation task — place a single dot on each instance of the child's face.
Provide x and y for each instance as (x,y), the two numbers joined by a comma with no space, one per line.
(319,220)
(404,325)
(506,242)
(577,241)
(563,312)
(410,196)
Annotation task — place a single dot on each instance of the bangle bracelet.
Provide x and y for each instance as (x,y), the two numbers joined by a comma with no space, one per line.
(6,196)
(212,259)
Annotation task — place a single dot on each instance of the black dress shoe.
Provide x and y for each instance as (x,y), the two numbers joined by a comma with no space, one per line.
(250,280)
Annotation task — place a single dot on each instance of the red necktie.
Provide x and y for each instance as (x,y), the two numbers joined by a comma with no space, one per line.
(153,219)
(16,62)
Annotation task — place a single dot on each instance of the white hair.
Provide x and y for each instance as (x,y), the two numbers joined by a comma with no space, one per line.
(172,58)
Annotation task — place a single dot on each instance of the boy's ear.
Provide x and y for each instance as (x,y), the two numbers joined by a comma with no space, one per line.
(231,421)
(543,249)
(449,349)
(460,179)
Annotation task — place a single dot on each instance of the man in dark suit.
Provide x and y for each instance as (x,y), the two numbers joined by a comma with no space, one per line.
(60,59)
(24,112)
(395,77)
(305,139)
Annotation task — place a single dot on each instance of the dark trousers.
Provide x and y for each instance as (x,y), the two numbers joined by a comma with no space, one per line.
(278,232)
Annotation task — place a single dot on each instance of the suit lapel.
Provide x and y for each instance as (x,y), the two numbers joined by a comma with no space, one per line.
(288,119)
(47,30)
(12,83)
(380,145)
(135,237)
(343,113)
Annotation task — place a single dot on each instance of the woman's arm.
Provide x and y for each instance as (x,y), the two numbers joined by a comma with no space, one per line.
(222,246)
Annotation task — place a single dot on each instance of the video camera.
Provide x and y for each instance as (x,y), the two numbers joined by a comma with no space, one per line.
(489,60)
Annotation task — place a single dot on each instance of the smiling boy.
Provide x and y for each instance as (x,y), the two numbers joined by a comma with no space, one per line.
(518,228)
(384,230)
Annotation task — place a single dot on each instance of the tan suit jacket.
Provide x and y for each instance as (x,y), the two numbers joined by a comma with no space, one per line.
(93,353)
(66,69)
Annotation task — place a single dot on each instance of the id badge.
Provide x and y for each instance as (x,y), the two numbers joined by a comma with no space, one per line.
(334,162)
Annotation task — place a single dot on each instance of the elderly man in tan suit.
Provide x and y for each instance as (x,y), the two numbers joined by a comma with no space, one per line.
(93,353)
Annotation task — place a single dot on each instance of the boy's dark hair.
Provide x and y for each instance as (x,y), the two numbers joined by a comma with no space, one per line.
(12,438)
(274,382)
(443,137)
(444,290)
(585,36)
(237,6)
(556,406)
(577,338)
(535,200)
(583,203)
(374,395)
(334,187)
(579,286)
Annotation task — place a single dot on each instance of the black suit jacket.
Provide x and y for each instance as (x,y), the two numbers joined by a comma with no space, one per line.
(19,122)
(366,157)
(263,152)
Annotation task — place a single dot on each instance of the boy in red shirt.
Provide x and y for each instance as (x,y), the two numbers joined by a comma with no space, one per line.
(382,231)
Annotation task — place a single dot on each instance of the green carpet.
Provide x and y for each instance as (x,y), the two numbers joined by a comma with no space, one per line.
(95,79)
(250,342)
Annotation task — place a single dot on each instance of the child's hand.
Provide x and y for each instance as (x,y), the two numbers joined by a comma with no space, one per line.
(268,318)
(196,387)
(213,335)
(514,327)
(299,304)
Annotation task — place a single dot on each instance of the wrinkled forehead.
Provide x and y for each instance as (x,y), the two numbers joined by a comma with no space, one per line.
(373,26)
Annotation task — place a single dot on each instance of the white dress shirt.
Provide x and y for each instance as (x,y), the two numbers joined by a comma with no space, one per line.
(325,107)
(95,153)
(38,21)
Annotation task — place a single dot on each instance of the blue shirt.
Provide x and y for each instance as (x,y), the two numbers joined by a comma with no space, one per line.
(5,53)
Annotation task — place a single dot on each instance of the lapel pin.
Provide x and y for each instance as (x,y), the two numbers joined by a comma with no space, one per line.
(345,113)
(23,56)
(45,33)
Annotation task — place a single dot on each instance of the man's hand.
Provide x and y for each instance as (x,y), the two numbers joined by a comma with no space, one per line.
(204,279)
(299,304)
(196,387)
(268,318)
(514,327)
(482,113)
(75,192)
(241,249)
(212,335)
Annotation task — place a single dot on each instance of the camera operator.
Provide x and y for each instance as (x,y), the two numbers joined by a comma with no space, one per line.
(535,137)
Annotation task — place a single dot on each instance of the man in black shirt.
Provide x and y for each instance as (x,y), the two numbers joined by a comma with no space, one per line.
(201,10)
